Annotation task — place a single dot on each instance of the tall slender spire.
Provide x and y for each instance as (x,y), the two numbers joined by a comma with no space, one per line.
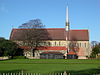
(67,19)
(67,28)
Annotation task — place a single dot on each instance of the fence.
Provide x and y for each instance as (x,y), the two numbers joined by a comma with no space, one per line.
(64,73)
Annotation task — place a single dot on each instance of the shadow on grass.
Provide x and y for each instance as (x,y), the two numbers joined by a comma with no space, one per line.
(66,72)
(81,72)
(10,71)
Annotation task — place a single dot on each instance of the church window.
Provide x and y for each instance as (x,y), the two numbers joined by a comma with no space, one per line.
(49,44)
(59,43)
(44,43)
(85,44)
(80,44)
(55,43)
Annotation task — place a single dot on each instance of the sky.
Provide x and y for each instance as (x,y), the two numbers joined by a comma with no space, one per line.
(83,14)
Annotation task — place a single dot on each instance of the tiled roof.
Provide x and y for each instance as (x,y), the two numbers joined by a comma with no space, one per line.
(54,34)
(51,48)
(71,53)
(81,35)
(45,48)
(51,52)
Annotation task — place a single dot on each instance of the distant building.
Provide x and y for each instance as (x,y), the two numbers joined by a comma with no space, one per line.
(63,43)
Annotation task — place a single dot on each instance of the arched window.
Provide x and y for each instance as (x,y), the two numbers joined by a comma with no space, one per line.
(85,44)
(59,43)
(80,44)
(44,43)
(55,43)
(49,44)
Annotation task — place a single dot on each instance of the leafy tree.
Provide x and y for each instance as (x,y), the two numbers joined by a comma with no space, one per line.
(8,48)
(95,50)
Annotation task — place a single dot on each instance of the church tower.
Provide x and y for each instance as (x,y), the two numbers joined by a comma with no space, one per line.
(67,20)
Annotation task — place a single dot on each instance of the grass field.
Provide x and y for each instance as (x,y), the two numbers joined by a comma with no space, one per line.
(49,65)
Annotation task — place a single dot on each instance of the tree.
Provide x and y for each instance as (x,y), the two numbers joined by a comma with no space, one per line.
(73,46)
(32,33)
(94,43)
(7,47)
(1,46)
(95,50)
(35,23)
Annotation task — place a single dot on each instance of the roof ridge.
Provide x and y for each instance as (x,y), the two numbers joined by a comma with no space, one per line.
(32,28)
(79,29)
(52,28)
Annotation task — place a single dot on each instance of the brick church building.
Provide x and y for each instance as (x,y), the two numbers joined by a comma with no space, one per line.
(64,43)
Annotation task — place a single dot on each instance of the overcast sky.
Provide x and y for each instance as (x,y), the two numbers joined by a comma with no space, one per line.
(83,14)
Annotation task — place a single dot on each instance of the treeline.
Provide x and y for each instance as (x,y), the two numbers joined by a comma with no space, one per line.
(9,48)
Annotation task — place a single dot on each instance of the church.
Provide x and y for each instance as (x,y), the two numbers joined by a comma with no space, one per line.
(64,43)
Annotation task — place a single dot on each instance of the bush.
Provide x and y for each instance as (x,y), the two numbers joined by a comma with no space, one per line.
(93,55)
(19,57)
(98,56)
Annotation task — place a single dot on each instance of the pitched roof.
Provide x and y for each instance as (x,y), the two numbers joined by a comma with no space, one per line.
(55,34)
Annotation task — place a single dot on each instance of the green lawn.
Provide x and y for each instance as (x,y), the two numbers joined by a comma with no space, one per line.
(49,65)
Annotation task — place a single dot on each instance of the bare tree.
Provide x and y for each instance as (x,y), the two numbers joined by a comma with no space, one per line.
(35,23)
(32,33)
(33,37)
(73,46)
(94,43)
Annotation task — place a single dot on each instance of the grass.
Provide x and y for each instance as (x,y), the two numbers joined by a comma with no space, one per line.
(49,65)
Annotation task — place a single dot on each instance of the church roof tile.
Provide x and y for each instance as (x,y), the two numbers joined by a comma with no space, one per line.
(55,34)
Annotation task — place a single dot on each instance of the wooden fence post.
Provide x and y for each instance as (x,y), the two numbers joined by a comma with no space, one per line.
(64,73)
(22,73)
(31,73)
(19,73)
(3,73)
(61,74)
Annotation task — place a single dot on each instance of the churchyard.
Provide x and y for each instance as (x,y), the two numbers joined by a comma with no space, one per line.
(45,66)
